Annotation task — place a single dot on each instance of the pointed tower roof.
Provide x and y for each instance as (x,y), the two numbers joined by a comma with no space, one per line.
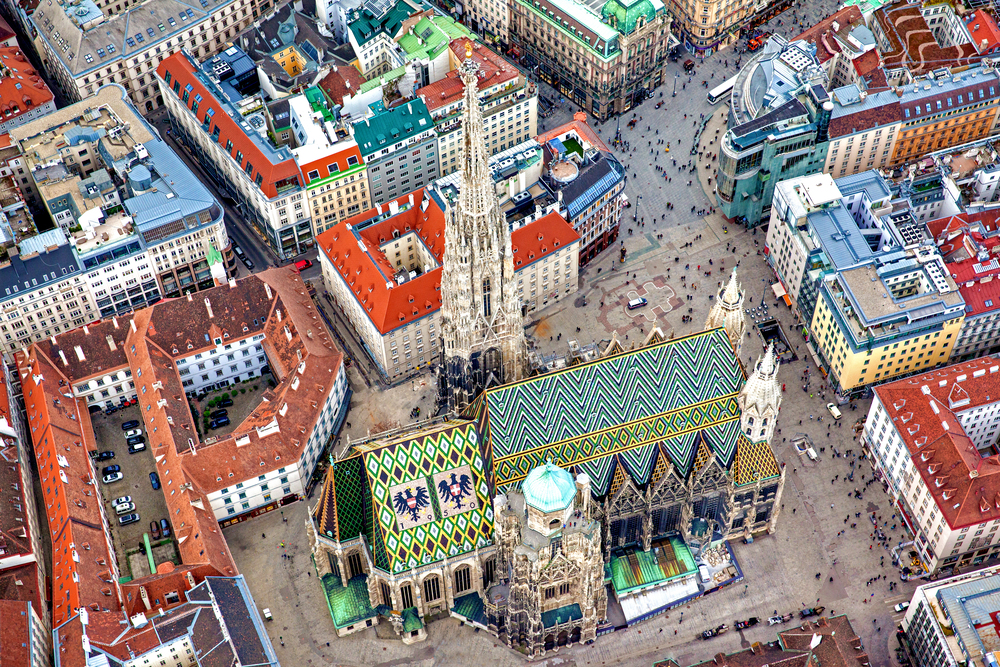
(728,312)
(762,389)
(216,264)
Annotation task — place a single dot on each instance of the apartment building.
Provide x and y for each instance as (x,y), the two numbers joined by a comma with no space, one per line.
(919,38)
(931,438)
(400,148)
(335,15)
(708,25)
(217,111)
(140,222)
(335,174)
(841,39)
(25,95)
(864,127)
(24,596)
(936,631)
(508,100)
(89,44)
(946,109)
(45,291)
(372,29)
(774,134)
(490,19)
(390,293)
(588,182)
(605,60)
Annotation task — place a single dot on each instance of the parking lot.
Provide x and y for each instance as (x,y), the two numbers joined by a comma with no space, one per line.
(150,504)
(245,398)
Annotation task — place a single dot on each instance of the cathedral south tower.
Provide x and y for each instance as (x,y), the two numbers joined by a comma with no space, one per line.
(481,325)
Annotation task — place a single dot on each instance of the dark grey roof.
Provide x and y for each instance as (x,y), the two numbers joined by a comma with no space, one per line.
(787,111)
(22,276)
(597,177)
(241,619)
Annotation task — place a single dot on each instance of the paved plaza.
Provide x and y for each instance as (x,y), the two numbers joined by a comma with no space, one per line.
(664,250)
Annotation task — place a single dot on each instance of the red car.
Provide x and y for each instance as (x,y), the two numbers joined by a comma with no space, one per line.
(303,264)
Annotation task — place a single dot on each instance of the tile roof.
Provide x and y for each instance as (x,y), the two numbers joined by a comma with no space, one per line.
(276,166)
(924,410)
(98,359)
(365,25)
(21,88)
(869,68)
(579,123)
(585,416)
(354,250)
(494,71)
(341,81)
(983,28)
(852,120)
(15,633)
(15,538)
(821,34)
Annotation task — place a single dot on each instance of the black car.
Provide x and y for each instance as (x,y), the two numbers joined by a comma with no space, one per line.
(226,403)
(247,262)
(154,479)
(219,413)
(218,423)
(104,456)
(111,469)
(137,447)
(132,423)
(165,527)
(136,440)
(111,410)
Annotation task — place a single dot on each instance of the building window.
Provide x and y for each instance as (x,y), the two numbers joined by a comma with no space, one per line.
(463,580)
(432,589)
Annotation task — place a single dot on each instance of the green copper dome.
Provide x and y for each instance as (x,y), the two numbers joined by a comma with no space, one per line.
(213,255)
(549,488)
(627,13)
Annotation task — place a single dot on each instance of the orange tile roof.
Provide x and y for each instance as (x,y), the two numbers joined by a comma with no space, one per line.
(965,486)
(341,81)
(183,69)
(579,123)
(494,71)
(22,89)
(322,165)
(358,259)
(984,31)
(912,44)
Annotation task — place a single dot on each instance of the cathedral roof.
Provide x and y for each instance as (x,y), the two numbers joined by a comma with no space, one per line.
(549,488)
(418,497)
(629,411)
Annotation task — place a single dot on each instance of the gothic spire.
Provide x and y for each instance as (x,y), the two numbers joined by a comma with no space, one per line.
(728,312)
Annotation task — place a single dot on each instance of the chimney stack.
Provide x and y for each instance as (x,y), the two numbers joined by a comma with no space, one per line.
(208,305)
(62,355)
(79,352)
(111,342)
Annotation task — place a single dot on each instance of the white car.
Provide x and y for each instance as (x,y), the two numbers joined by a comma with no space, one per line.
(902,606)
(121,501)
(834,410)
(134,432)
(113,477)
(124,508)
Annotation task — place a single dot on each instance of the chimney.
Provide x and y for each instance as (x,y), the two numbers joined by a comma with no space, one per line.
(411,199)
(53,339)
(114,320)
(232,283)
(208,305)
(131,323)
(267,288)
(111,342)
(86,331)
(79,352)
(189,296)
(62,355)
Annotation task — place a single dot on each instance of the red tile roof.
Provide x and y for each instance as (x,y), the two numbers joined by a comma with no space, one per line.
(32,93)
(182,69)
(494,71)
(15,633)
(865,119)
(322,165)
(965,486)
(358,259)
(341,81)
(984,31)
(869,69)
(15,537)
(821,34)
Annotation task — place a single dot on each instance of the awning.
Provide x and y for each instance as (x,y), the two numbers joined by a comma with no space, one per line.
(779,290)
(644,604)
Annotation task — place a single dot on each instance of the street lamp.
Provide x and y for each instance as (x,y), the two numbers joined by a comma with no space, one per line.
(676,76)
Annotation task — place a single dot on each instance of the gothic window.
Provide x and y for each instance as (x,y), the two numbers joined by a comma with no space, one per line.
(563,589)
(486,298)
(463,580)
(489,569)
(550,592)
(762,432)
(765,421)
(432,588)
(406,594)
(750,421)
(386,593)
(354,565)
(555,547)
(748,432)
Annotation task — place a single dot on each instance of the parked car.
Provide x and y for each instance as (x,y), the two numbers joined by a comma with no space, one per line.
(128,518)
(774,620)
(136,440)
(105,456)
(219,413)
(137,447)
(113,477)
(218,423)
(247,262)
(132,432)
(834,410)
(749,623)
(239,252)
(226,403)
(902,606)
(110,469)
(110,410)
(303,264)
(132,423)
(714,632)
(154,479)
(124,508)
(637,303)
(165,527)
(154,530)
(123,499)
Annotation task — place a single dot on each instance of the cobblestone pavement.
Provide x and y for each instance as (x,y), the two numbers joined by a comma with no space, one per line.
(780,570)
